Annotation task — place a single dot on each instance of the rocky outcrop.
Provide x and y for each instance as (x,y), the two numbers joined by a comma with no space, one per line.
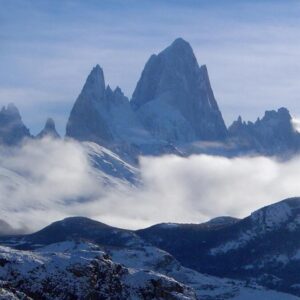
(173,103)
(49,130)
(12,128)
(273,134)
(102,115)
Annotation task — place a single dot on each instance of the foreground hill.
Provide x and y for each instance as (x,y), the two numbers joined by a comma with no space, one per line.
(71,270)
(263,247)
(260,250)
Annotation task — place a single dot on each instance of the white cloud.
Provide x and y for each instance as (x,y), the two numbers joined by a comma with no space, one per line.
(49,180)
(296,123)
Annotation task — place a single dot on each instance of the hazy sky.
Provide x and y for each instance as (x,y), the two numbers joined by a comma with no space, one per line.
(47,48)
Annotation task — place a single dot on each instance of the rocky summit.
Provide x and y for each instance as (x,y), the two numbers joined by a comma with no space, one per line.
(104,116)
(49,130)
(174,99)
(273,134)
(12,128)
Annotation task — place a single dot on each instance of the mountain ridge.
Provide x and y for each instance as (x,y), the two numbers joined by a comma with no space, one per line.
(172,107)
(247,249)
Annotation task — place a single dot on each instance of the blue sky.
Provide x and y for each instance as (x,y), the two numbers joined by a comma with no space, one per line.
(47,48)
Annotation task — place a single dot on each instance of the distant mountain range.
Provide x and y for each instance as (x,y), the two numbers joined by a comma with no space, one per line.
(244,258)
(172,110)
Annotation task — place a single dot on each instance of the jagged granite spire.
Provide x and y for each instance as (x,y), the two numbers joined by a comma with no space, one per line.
(12,128)
(174,98)
(104,116)
(49,130)
(95,84)
(86,123)
(273,134)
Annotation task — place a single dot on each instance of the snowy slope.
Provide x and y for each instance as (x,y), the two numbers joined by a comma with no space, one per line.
(109,166)
(262,248)
(74,241)
(71,270)
(206,287)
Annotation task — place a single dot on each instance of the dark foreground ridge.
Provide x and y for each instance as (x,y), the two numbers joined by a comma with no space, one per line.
(262,248)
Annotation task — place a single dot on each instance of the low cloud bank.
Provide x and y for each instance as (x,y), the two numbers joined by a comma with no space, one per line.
(47,180)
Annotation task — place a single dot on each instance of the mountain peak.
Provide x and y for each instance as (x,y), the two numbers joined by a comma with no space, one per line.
(97,71)
(11,108)
(11,111)
(104,116)
(179,53)
(282,114)
(272,134)
(49,130)
(118,91)
(50,124)
(180,44)
(12,129)
(95,83)
(175,98)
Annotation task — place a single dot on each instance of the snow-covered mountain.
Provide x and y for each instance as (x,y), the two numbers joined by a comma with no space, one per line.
(98,259)
(172,103)
(262,248)
(174,99)
(273,134)
(74,270)
(104,116)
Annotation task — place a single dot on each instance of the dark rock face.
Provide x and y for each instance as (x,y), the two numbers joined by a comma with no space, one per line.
(49,130)
(273,134)
(12,129)
(103,116)
(85,121)
(263,247)
(174,98)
